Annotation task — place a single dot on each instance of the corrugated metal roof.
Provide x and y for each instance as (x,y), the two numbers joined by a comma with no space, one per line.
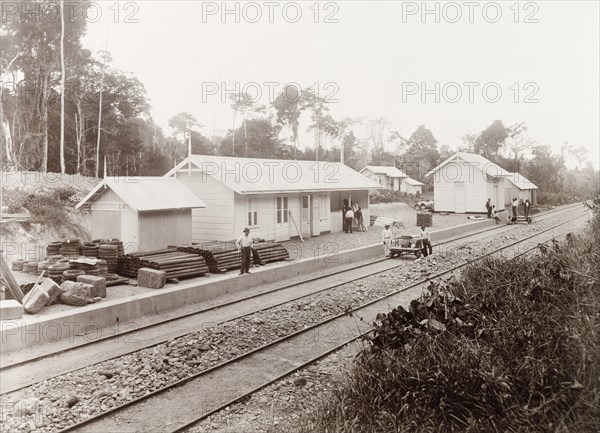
(388,170)
(261,176)
(484,164)
(520,181)
(147,193)
(411,181)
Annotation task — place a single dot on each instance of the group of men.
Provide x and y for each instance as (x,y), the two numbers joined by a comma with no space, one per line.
(492,213)
(423,242)
(351,213)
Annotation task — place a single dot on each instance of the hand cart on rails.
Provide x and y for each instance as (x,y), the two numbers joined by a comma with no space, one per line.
(405,245)
(519,219)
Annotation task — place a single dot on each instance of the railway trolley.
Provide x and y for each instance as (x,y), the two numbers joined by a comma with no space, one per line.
(405,245)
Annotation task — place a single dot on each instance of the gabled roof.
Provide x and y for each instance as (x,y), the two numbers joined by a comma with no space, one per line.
(411,181)
(520,181)
(388,170)
(147,193)
(483,164)
(260,176)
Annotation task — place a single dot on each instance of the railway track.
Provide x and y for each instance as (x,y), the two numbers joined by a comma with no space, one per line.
(19,375)
(188,401)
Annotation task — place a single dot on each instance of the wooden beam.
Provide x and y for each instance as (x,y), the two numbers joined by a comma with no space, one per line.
(11,282)
(297,231)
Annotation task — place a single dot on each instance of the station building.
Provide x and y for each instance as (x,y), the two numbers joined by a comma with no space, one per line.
(277,199)
(464,182)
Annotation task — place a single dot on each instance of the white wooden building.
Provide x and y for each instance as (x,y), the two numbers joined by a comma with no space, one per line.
(390,177)
(464,182)
(276,199)
(411,186)
(146,213)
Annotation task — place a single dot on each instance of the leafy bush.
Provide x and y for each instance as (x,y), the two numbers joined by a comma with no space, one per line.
(511,346)
(45,209)
(389,196)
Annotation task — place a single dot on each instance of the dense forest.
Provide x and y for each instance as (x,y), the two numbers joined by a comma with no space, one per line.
(65,109)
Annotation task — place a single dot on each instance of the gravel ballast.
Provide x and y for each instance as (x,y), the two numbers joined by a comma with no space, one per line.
(65,400)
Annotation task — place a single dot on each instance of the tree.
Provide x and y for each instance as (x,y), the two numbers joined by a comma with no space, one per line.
(580,153)
(423,154)
(491,139)
(262,138)
(37,45)
(546,169)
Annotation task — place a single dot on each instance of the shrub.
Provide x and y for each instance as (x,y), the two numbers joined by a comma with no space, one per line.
(511,346)
(45,209)
(389,196)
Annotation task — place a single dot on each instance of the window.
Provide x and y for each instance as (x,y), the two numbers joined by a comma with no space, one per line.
(282,210)
(252,219)
(323,206)
(380,181)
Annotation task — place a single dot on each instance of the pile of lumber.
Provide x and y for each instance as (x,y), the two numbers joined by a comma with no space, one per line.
(176,264)
(271,252)
(383,221)
(224,256)
(219,256)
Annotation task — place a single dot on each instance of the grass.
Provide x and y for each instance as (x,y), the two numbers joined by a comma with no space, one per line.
(509,346)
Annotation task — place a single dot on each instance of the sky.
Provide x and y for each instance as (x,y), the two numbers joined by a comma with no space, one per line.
(452,66)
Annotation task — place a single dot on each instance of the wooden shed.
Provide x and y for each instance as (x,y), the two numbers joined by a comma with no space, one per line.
(276,199)
(146,213)
(392,178)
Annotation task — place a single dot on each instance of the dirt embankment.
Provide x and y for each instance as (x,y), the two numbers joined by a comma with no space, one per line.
(40,207)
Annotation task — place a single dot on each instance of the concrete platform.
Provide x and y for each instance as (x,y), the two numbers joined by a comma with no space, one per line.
(126,303)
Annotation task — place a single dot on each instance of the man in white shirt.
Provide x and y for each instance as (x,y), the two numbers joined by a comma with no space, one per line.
(386,236)
(244,244)
(425,243)
(349,219)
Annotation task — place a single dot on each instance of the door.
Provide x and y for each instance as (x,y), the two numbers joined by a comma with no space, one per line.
(305,216)
(282,225)
(459,197)
(315,229)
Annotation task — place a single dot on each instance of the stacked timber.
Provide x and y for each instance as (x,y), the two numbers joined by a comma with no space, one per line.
(219,256)
(53,248)
(17,265)
(31,267)
(176,264)
(224,256)
(90,249)
(55,272)
(70,247)
(271,252)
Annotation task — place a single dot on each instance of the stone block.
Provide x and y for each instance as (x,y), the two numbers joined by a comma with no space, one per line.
(35,300)
(76,294)
(151,278)
(51,288)
(10,310)
(99,283)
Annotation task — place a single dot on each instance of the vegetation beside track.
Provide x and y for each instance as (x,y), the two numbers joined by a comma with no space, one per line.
(508,346)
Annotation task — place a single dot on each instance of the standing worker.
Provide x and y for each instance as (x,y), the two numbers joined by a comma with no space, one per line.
(386,236)
(361,220)
(515,203)
(244,244)
(527,207)
(488,206)
(349,218)
(425,244)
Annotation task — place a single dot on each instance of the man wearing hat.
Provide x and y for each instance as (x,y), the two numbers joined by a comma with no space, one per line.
(244,244)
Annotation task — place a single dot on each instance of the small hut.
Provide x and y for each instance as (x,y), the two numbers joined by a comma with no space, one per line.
(146,213)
